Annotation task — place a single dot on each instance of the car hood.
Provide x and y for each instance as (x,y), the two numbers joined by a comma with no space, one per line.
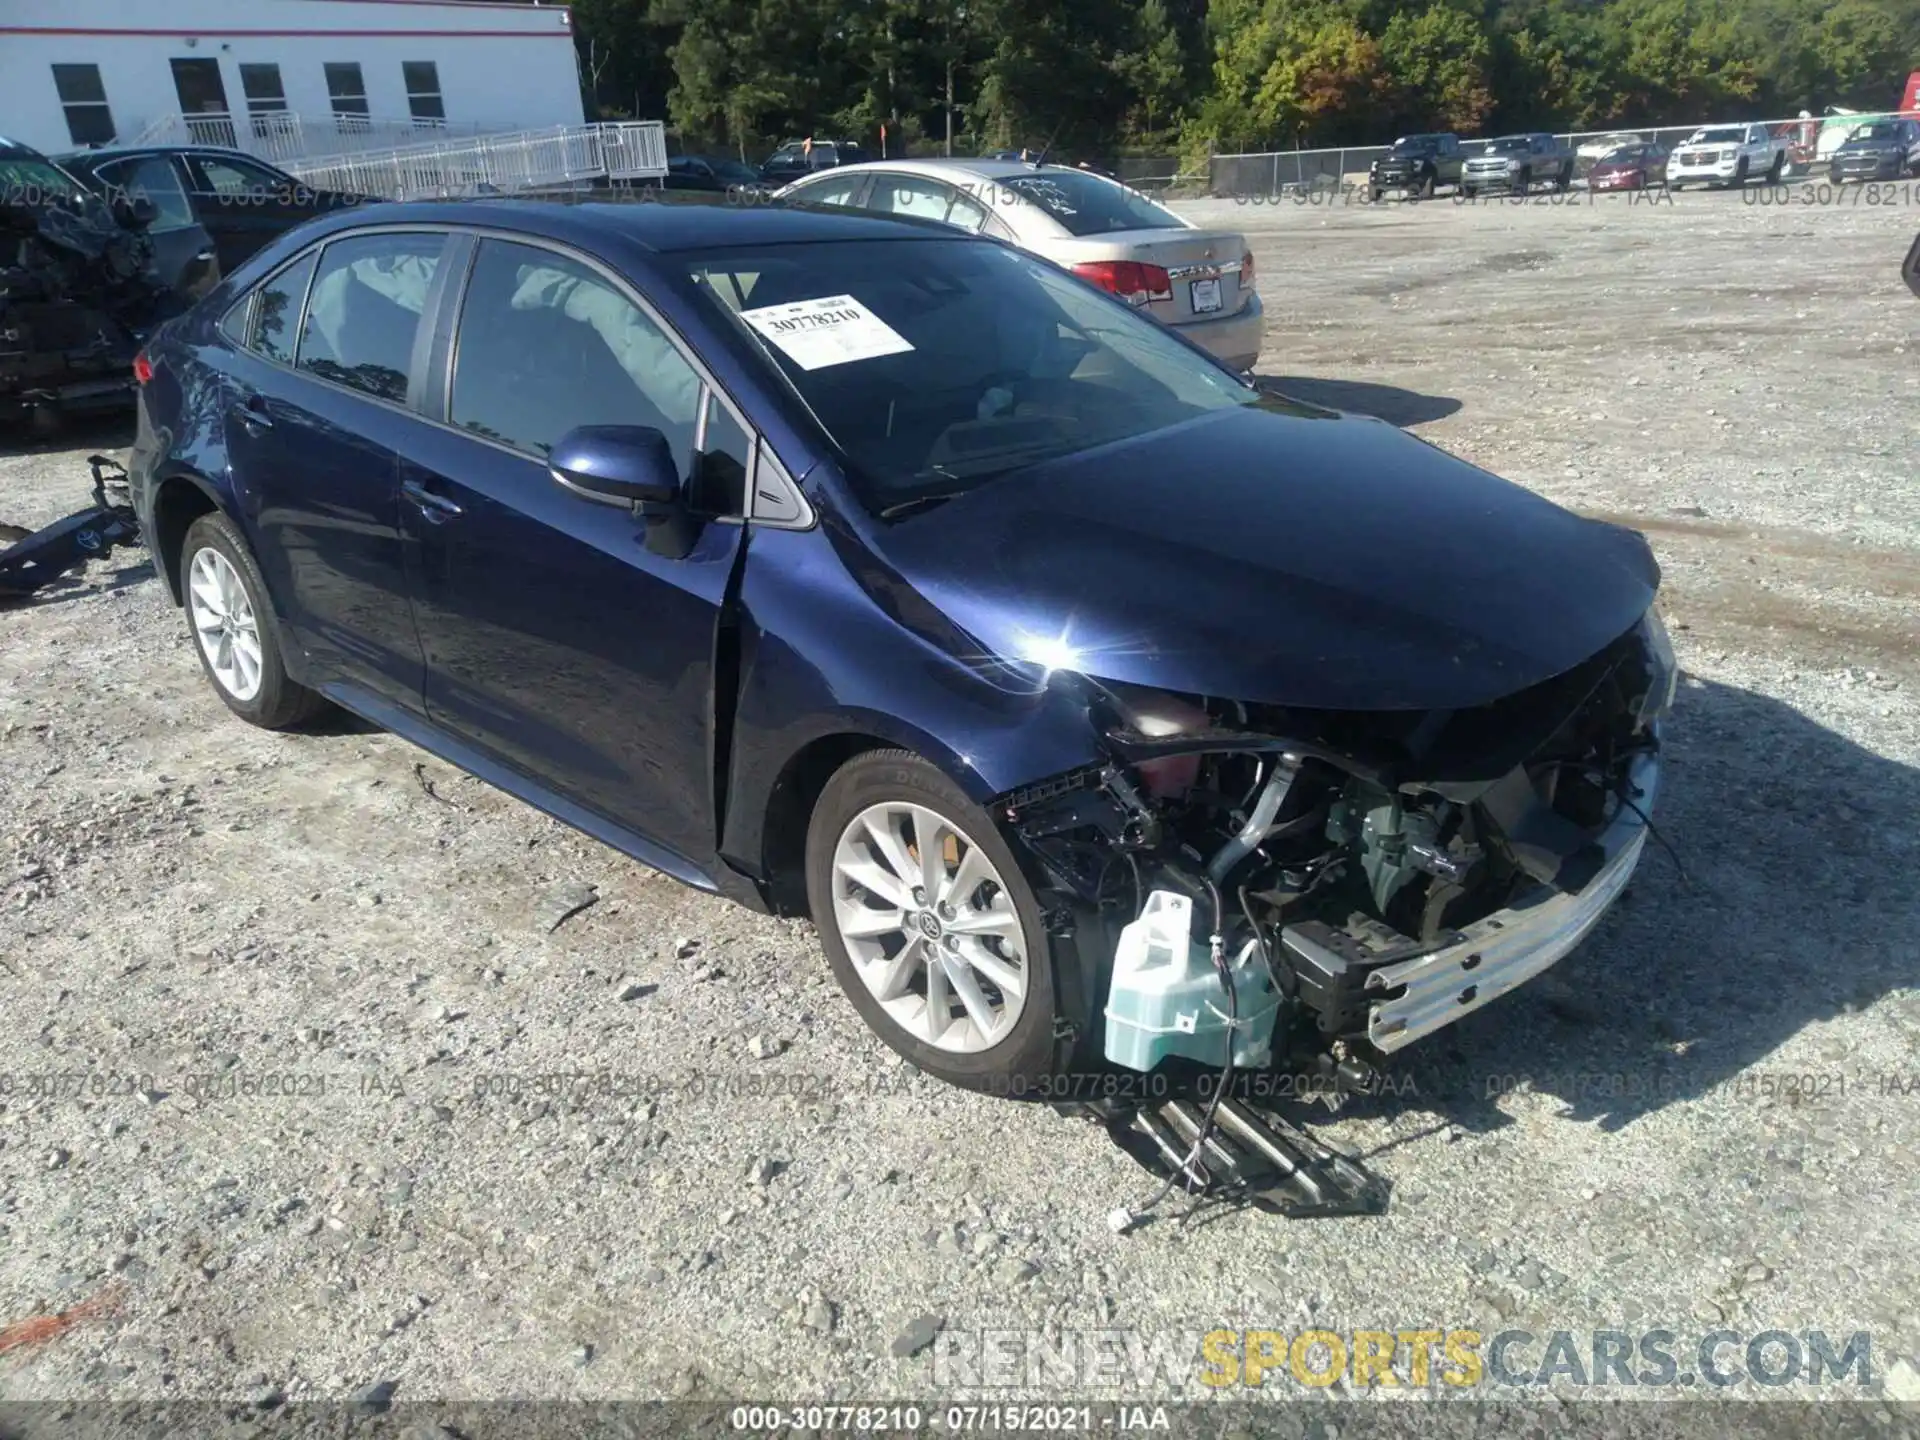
(1277,554)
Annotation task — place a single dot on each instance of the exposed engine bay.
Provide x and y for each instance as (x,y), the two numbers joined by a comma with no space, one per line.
(1386,872)
(77,294)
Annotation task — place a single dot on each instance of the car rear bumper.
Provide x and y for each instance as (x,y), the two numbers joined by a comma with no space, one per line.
(1513,945)
(1234,339)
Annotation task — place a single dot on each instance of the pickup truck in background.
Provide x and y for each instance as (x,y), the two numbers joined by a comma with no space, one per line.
(1518,163)
(1727,155)
(1418,165)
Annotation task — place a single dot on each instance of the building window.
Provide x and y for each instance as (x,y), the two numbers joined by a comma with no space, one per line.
(349,91)
(266,95)
(84,98)
(423,91)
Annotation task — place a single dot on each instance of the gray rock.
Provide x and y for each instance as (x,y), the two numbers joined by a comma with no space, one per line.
(916,1336)
(637,991)
(374,1399)
(761,1048)
(266,1397)
(58,1158)
(561,903)
(581,1356)
(819,1314)
(761,1171)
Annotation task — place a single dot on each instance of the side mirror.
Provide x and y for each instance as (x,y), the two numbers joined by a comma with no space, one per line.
(629,465)
(617,464)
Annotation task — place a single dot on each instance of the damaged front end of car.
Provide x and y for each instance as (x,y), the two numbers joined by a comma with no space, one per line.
(78,294)
(1316,889)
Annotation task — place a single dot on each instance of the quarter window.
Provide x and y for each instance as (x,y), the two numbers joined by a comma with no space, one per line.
(368,296)
(547,344)
(726,454)
(276,313)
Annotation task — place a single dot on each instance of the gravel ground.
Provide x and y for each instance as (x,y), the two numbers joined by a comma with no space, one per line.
(364,949)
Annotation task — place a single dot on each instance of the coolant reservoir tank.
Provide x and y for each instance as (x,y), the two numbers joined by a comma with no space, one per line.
(1166,999)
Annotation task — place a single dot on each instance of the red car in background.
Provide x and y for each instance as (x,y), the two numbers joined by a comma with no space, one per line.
(1631,167)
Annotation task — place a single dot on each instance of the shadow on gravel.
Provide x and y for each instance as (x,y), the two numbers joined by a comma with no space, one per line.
(1387,402)
(1800,909)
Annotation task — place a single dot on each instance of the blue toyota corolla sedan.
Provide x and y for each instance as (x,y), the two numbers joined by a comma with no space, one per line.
(1100,706)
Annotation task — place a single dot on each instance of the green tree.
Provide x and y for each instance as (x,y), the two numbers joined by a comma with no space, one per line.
(1436,62)
(1154,67)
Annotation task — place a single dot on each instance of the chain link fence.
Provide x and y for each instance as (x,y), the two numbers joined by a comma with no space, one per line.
(1810,141)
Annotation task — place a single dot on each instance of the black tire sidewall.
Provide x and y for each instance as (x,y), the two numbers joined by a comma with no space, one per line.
(279,700)
(1027,1055)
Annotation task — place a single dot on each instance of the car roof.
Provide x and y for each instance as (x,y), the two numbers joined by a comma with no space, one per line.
(655,226)
(939,167)
(121,152)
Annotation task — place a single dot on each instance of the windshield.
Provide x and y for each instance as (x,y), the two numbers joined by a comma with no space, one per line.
(735,171)
(31,181)
(939,365)
(1416,145)
(1507,145)
(1089,204)
(1883,130)
(1721,137)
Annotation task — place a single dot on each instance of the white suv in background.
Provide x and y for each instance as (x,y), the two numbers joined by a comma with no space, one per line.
(1197,282)
(1727,155)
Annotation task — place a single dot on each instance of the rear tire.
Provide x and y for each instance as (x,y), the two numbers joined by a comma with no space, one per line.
(235,633)
(1469,191)
(907,957)
(1739,181)
(1427,183)
(1523,182)
(1564,179)
(1777,169)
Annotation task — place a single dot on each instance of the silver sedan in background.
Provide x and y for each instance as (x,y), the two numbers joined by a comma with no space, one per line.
(1198,282)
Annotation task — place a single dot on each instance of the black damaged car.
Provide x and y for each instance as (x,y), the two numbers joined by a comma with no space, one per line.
(78,291)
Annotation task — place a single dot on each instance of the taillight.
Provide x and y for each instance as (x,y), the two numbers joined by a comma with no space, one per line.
(1246,271)
(142,368)
(1133,282)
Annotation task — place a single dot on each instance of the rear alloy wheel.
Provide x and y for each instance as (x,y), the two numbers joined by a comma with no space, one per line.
(930,927)
(234,630)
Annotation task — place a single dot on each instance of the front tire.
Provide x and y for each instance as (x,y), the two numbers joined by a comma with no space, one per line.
(234,630)
(929,924)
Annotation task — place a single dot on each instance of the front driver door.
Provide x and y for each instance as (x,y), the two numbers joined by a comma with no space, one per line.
(555,639)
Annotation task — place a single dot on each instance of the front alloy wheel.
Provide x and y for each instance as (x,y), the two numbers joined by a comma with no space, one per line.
(930,925)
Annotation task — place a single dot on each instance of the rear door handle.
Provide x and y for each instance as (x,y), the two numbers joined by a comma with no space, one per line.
(434,507)
(252,413)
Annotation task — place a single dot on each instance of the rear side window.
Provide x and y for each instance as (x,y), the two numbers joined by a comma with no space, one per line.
(910,195)
(838,191)
(152,177)
(276,310)
(546,344)
(368,296)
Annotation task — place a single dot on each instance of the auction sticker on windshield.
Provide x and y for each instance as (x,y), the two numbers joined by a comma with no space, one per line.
(834,330)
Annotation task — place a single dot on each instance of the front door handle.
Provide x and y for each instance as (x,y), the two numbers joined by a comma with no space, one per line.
(252,413)
(434,507)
